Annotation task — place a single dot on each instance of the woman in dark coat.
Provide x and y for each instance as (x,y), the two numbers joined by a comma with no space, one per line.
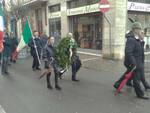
(51,63)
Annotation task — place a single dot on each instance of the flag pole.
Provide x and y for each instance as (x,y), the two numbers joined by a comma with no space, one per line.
(34,43)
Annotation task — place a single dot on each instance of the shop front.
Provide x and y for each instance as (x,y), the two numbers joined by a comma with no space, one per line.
(87,30)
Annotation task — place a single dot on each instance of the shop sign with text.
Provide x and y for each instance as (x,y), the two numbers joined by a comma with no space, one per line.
(134,6)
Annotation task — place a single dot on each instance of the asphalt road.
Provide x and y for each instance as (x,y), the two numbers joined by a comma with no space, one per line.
(23,92)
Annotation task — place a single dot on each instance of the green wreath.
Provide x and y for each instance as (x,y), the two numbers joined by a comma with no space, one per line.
(62,52)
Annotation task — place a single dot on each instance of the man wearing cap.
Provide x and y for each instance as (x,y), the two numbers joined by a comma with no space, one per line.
(134,58)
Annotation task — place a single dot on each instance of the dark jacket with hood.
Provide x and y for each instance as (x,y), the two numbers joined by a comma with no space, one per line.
(134,52)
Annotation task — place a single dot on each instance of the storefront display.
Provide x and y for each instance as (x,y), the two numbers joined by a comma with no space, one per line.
(87,30)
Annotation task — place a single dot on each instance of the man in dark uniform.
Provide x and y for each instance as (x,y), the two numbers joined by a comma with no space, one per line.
(134,58)
(36,45)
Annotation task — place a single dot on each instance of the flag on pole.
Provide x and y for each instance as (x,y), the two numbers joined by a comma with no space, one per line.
(25,38)
(1,27)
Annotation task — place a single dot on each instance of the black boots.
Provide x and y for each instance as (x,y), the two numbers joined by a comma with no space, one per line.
(57,87)
(49,86)
(56,82)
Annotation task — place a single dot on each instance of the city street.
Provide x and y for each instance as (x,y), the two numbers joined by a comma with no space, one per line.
(23,92)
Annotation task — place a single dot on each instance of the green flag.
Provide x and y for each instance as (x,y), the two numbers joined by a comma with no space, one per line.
(26,36)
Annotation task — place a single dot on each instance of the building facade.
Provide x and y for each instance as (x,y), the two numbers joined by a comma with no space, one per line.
(89,26)
(35,11)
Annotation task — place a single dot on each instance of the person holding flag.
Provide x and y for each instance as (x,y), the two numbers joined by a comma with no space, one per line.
(36,45)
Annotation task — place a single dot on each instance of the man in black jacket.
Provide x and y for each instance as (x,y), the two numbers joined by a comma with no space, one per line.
(134,57)
(36,45)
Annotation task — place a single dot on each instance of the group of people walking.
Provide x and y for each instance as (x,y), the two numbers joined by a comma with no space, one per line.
(44,47)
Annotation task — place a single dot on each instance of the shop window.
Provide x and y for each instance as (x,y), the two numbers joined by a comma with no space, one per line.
(87,30)
(54,8)
(55,28)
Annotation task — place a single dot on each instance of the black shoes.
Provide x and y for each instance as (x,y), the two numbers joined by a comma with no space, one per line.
(34,69)
(49,87)
(57,87)
(143,97)
(5,73)
(75,80)
(38,68)
(116,85)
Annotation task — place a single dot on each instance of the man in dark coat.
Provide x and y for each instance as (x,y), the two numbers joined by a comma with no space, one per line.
(134,58)
(6,54)
(36,45)
(14,44)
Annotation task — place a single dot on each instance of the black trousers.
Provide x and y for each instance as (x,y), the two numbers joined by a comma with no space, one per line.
(56,72)
(142,78)
(4,68)
(136,81)
(48,78)
(35,63)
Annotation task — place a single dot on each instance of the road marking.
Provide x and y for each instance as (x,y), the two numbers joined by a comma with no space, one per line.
(89,59)
(87,53)
(2,110)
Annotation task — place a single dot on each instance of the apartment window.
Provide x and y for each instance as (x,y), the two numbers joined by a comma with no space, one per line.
(79,3)
(54,8)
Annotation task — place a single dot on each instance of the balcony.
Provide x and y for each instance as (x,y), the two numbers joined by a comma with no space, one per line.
(33,2)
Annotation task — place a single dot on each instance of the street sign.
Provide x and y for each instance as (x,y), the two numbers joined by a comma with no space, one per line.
(104,6)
